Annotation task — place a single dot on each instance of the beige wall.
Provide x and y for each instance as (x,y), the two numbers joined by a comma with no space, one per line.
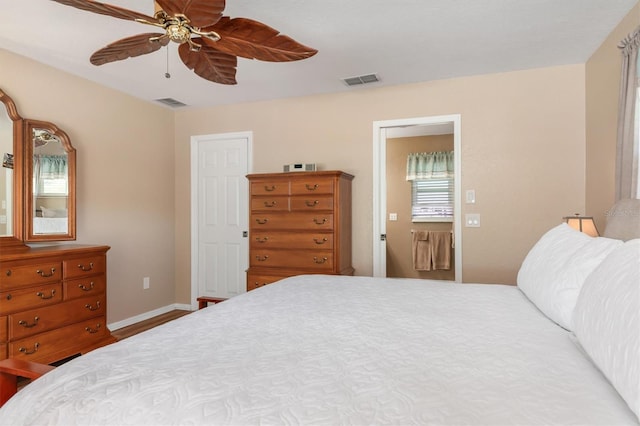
(399,246)
(603,72)
(125,176)
(523,151)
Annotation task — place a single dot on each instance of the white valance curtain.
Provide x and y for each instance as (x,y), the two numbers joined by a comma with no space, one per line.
(628,147)
(430,165)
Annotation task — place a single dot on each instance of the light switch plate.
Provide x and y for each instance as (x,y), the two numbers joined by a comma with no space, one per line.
(472,220)
(470,196)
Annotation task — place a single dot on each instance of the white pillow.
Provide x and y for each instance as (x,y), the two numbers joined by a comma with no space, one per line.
(553,272)
(607,320)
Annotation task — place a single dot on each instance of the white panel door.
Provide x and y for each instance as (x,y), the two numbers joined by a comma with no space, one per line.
(221,207)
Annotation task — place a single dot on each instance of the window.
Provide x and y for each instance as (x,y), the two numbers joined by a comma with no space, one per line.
(432,200)
(50,175)
(432,186)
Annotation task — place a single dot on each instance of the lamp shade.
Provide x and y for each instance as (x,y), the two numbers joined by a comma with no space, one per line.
(582,224)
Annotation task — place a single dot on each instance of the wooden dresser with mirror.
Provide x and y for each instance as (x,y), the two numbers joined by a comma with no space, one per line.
(52,295)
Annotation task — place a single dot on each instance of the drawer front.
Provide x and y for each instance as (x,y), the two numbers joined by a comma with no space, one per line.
(20,276)
(302,221)
(287,240)
(27,323)
(58,344)
(312,185)
(84,287)
(3,329)
(19,300)
(322,202)
(3,351)
(275,187)
(317,260)
(85,266)
(270,203)
(260,280)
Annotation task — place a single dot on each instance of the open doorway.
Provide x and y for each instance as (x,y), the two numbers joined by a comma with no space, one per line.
(402,132)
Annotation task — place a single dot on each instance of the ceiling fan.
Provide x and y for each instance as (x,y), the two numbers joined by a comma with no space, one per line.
(209,42)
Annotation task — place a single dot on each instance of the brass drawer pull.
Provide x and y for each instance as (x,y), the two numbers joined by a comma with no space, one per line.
(44,274)
(91,308)
(9,296)
(319,261)
(312,203)
(270,203)
(86,268)
(270,188)
(319,222)
(42,296)
(28,352)
(262,258)
(93,330)
(27,325)
(262,240)
(8,272)
(257,284)
(261,221)
(85,288)
(318,241)
(311,187)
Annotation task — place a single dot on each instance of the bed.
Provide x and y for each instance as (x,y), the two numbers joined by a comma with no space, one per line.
(562,347)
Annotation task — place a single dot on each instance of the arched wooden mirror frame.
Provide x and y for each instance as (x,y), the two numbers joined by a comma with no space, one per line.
(30,126)
(15,240)
(22,200)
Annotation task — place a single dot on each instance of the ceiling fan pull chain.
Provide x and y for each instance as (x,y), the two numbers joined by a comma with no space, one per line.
(166,74)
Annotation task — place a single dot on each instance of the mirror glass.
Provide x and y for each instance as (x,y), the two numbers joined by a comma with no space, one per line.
(6,174)
(50,164)
(50,204)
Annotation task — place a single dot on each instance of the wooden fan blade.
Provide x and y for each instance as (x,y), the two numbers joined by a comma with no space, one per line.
(106,9)
(128,48)
(209,63)
(201,13)
(254,40)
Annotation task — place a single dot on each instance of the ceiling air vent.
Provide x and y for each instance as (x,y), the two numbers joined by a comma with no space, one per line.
(171,102)
(361,79)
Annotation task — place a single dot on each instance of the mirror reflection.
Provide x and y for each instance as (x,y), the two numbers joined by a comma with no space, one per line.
(6,174)
(50,184)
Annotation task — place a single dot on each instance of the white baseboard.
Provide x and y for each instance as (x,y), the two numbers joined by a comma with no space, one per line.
(146,315)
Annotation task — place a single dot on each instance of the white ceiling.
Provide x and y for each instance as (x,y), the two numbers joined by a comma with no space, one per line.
(402,41)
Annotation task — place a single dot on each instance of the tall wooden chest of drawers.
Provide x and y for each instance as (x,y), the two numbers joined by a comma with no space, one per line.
(53,302)
(300,223)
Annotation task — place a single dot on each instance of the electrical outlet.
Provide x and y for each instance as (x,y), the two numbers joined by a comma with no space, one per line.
(472,220)
(145,283)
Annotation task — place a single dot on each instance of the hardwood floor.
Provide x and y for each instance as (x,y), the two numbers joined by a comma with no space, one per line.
(133,329)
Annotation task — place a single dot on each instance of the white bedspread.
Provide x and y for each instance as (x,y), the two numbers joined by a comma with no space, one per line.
(336,350)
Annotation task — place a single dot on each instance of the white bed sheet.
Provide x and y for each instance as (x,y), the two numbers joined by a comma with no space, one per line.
(50,225)
(336,350)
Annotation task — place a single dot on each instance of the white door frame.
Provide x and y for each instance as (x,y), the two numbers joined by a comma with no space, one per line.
(195,140)
(380,187)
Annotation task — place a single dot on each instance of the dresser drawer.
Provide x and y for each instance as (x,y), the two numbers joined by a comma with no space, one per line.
(25,275)
(3,329)
(84,287)
(287,240)
(260,280)
(312,185)
(60,343)
(19,300)
(275,187)
(85,266)
(312,260)
(322,202)
(301,221)
(270,203)
(3,351)
(33,321)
